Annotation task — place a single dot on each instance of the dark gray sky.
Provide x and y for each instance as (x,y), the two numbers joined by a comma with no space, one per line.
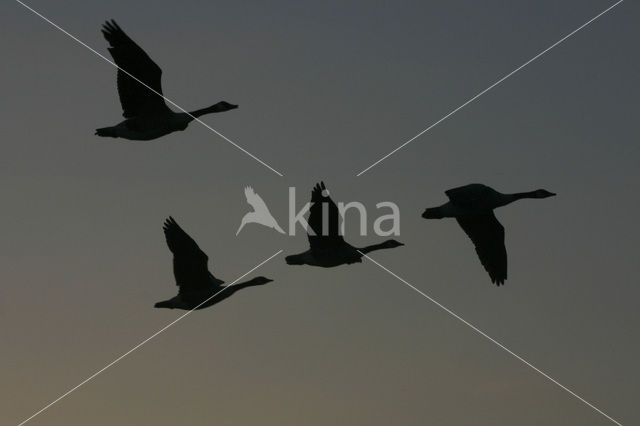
(324,90)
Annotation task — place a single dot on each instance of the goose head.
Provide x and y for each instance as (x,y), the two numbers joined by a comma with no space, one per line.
(391,244)
(222,106)
(542,193)
(260,280)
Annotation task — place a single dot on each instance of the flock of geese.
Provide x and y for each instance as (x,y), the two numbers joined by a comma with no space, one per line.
(148,117)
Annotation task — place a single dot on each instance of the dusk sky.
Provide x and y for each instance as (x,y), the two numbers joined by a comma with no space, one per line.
(324,90)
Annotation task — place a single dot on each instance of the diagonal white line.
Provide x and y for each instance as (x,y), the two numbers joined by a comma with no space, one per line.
(76,39)
(485,335)
(97,373)
(490,87)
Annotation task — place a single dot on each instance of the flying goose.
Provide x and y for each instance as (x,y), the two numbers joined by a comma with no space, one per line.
(147,115)
(260,213)
(193,278)
(472,206)
(329,249)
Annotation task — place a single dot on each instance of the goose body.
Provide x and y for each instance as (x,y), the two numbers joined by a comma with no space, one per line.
(147,115)
(147,128)
(344,254)
(197,286)
(328,248)
(472,206)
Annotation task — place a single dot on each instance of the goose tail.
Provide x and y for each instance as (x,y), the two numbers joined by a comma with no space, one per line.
(433,213)
(294,259)
(164,304)
(106,132)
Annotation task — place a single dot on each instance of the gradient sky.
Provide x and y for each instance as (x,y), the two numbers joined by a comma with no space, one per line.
(324,90)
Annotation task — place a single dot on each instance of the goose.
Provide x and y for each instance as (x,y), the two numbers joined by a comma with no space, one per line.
(147,115)
(472,206)
(260,213)
(329,249)
(192,276)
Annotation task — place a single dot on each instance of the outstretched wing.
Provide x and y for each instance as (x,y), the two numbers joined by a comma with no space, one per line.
(487,235)
(324,220)
(189,262)
(135,98)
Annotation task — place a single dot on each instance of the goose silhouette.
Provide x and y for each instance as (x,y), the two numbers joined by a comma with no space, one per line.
(260,213)
(472,206)
(147,115)
(328,248)
(196,284)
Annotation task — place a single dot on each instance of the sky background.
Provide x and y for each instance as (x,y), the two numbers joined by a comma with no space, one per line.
(324,89)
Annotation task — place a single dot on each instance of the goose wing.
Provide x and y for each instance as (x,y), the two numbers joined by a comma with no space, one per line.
(135,98)
(487,235)
(189,262)
(472,197)
(322,204)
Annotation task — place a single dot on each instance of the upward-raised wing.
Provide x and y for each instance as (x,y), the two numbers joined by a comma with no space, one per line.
(135,98)
(487,235)
(327,230)
(189,262)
